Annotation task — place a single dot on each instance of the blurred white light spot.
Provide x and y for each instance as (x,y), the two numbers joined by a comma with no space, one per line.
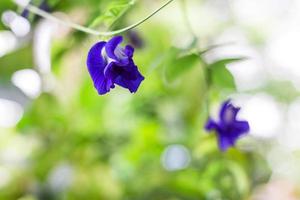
(42,45)
(264,116)
(291,137)
(5,176)
(16,151)
(8,42)
(61,177)
(230,43)
(10,113)
(294,115)
(13,155)
(282,49)
(248,73)
(28,81)
(257,12)
(8,17)
(175,157)
(277,188)
(20,26)
(22,3)
(283,163)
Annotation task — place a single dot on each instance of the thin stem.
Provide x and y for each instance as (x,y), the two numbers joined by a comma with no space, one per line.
(119,17)
(47,15)
(141,21)
(186,18)
(207,84)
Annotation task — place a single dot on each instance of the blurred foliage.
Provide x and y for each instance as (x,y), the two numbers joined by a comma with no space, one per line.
(219,74)
(25,60)
(112,145)
(176,64)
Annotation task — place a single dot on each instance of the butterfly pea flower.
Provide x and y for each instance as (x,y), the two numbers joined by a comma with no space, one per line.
(227,128)
(109,63)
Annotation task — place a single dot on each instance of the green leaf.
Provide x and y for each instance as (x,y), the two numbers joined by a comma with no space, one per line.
(176,64)
(228,61)
(220,75)
(113,12)
(212,47)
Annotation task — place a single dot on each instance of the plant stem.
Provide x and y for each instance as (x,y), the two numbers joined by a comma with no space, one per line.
(186,18)
(78,27)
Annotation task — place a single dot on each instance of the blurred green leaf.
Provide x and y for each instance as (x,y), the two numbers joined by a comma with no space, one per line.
(16,60)
(283,91)
(115,144)
(220,75)
(114,10)
(177,63)
(228,61)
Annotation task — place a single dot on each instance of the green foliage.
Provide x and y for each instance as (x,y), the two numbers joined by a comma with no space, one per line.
(283,91)
(220,75)
(114,144)
(9,63)
(176,63)
(113,11)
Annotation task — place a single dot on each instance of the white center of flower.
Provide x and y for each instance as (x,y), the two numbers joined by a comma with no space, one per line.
(120,52)
(104,55)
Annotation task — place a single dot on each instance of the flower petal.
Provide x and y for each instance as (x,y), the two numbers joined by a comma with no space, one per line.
(224,108)
(96,64)
(131,85)
(225,142)
(130,78)
(111,46)
(228,112)
(129,50)
(94,58)
(211,125)
(241,127)
(228,138)
(113,65)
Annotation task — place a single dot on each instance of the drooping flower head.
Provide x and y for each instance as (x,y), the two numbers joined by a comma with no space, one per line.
(227,128)
(109,63)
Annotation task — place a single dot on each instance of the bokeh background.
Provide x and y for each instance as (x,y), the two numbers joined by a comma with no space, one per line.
(60,140)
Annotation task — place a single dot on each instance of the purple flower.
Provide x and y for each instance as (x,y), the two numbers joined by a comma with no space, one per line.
(109,63)
(135,39)
(228,128)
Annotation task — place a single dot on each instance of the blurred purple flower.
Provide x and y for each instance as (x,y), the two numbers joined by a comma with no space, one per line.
(109,63)
(25,13)
(44,6)
(228,128)
(135,39)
